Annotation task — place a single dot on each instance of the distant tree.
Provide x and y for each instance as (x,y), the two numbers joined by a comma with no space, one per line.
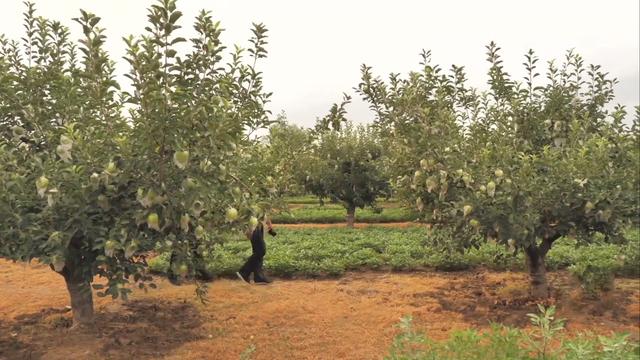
(287,149)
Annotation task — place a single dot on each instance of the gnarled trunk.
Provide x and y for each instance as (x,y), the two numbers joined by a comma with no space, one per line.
(81,299)
(351,216)
(78,280)
(536,263)
(537,273)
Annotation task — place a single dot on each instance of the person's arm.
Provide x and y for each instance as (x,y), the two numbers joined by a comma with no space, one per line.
(270,228)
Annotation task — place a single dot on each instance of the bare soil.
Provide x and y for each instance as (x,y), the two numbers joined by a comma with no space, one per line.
(348,318)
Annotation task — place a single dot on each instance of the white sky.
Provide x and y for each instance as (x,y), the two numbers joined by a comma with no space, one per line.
(316,48)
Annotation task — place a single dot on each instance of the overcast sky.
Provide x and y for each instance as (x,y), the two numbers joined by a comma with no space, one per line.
(316,48)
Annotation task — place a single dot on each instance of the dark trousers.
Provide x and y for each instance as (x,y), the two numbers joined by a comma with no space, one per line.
(259,249)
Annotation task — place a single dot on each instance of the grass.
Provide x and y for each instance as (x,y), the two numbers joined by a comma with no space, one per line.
(336,213)
(313,200)
(546,341)
(302,199)
(332,251)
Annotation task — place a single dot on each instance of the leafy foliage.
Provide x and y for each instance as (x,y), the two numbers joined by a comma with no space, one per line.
(334,213)
(502,342)
(346,166)
(288,153)
(86,188)
(332,251)
(595,271)
(523,163)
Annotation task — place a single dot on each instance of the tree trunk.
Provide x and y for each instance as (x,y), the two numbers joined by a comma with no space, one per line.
(537,272)
(351,215)
(81,299)
(78,279)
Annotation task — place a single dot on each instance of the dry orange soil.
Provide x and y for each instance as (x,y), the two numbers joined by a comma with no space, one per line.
(348,318)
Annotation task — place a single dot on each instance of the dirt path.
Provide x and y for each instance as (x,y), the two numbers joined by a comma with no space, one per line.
(348,318)
(344,224)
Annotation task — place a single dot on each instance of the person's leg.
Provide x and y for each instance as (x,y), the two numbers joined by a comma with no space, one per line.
(249,266)
(171,275)
(261,251)
(259,277)
(254,263)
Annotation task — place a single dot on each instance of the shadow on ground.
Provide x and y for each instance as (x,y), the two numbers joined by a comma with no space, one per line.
(483,301)
(135,329)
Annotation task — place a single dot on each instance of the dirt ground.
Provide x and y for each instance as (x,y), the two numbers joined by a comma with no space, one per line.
(348,318)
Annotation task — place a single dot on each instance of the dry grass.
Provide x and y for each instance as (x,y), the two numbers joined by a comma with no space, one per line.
(348,318)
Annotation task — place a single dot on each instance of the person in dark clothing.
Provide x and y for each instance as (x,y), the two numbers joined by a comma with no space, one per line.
(253,265)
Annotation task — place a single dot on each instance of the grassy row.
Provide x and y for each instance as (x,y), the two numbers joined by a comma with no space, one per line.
(302,199)
(334,213)
(332,251)
(313,200)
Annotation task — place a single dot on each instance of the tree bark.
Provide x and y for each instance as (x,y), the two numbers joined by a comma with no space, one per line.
(81,298)
(78,279)
(351,215)
(537,272)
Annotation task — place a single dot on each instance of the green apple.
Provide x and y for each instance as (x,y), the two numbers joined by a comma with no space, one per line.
(110,247)
(199,231)
(17,131)
(66,141)
(467,209)
(232,214)
(588,207)
(153,222)
(189,184)
(491,189)
(111,168)
(110,244)
(253,222)
(197,208)
(181,159)
(183,269)
(42,183)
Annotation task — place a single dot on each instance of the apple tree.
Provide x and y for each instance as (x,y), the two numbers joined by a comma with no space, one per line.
(346,165)
(523,163)
(288,151)
(92,177)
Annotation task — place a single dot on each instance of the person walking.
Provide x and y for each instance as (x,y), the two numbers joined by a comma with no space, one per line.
(253,265)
